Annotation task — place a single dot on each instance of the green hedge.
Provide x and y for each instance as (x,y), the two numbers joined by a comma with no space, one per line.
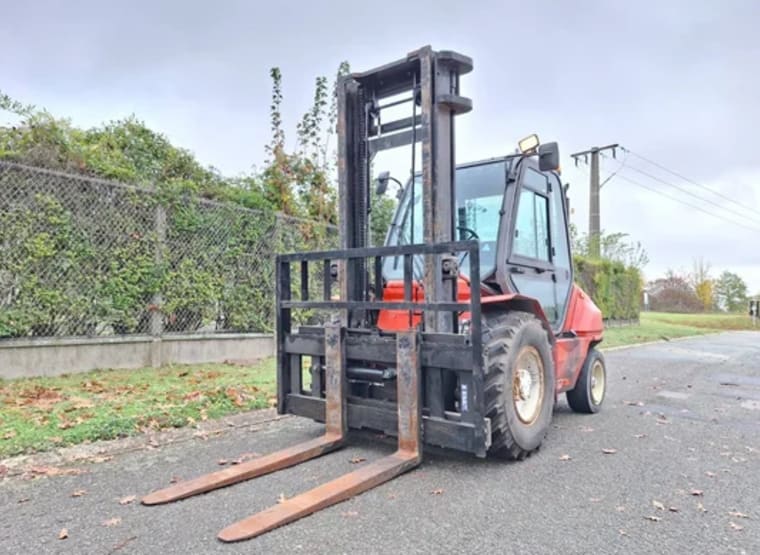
(614,287)
(86,257)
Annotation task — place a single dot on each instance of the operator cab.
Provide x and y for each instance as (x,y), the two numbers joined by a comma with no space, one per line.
(517,213)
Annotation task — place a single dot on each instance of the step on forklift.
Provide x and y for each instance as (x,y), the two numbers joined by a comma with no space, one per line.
(460,332)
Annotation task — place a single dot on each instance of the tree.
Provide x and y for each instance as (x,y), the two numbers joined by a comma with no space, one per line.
(301,183)
(613,246)
(730,292)
(382,215)
(702,283)
(673,293)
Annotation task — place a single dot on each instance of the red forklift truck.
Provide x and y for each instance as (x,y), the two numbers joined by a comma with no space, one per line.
(460,332)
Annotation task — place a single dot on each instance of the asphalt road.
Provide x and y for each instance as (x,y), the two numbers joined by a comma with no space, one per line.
(682,416)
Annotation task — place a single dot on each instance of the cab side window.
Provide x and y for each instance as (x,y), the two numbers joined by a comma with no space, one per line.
(532,223)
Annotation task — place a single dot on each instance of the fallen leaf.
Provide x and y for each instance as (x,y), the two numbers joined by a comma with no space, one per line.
(594,499)
(80,403)
(122,543)
(183,374)
(701,508)
(653,518)
(79,493)
(620,509)
(657,505)
(115,521)
(634,403)
(55,471)
(101,458)
(639,436)
(222,462)
(235,396)
(697,492)
(349,514)
(357,460)
(622,532)
(735,526)
(565,457)
(609,451)
(438,491)
(63,534)
(9,435)
(127,500)
(673,509)
(23,500)
(174,479)
(737,514)
(710,474)
(282,498)
(153,442)
(55,439)
(586,429)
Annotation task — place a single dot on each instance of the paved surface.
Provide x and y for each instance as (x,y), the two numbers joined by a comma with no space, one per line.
(682,416)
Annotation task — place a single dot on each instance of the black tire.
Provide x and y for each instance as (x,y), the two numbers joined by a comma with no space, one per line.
(505,335)
(580,398)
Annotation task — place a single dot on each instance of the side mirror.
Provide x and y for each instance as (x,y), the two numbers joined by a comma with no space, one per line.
(548,157)
(381,182)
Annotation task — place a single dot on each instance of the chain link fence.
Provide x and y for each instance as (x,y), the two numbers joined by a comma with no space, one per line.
(87,257)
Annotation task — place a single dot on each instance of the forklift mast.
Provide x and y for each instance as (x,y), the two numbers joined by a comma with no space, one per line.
(428,82)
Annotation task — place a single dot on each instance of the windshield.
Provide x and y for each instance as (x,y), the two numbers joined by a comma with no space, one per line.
(479,197)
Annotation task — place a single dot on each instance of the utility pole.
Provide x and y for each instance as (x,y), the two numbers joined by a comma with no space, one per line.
(594,217)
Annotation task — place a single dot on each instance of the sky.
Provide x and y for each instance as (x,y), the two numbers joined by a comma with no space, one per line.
(674,82)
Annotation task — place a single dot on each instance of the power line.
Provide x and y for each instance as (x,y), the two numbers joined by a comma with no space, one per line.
(694,206)
(688,180)
(686,191)
(676,199)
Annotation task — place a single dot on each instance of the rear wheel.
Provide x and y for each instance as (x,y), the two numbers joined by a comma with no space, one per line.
(588,394)
(519,385)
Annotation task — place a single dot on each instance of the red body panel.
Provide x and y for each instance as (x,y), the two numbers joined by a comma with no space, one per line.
(583,323)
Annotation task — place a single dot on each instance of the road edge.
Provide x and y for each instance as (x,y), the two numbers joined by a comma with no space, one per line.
(659,341)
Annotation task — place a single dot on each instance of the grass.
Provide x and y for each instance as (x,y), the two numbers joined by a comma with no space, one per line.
(660,325)
(37,414)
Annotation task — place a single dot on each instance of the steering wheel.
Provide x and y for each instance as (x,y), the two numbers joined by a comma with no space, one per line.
(472,234)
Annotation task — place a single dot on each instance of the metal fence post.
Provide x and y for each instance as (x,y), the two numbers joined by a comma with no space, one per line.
(156,315)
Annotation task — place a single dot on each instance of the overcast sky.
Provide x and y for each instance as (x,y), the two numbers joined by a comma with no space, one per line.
(676,82)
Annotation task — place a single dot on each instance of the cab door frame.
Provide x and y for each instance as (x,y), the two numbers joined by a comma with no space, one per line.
(514,270)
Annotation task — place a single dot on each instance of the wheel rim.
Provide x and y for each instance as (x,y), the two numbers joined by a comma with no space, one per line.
(598,380)
(528,385)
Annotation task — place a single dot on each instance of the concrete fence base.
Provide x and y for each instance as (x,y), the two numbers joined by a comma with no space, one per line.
(54,356)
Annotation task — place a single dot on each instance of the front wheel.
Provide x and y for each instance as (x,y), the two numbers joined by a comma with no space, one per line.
(519,388)
(588,394)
